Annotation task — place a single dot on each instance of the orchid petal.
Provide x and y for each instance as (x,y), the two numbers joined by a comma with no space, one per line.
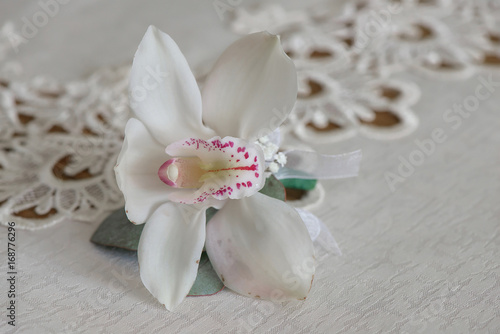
(260,247)
(251,89)
(163,91)
(137,172)
(169,252)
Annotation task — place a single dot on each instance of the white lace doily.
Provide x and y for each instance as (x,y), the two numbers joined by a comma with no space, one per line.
(58,144)
(348,61)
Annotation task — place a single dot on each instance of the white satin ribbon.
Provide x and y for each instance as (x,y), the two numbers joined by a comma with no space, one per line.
(324,242)
(311,165)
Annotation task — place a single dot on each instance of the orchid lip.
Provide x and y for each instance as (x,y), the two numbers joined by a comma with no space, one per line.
(218,168)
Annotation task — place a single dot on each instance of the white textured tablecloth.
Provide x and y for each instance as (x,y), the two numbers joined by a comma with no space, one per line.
(424,258)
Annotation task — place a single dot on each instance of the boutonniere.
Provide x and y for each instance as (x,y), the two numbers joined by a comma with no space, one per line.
(187,151)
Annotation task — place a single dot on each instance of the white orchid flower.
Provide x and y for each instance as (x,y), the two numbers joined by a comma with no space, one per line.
(186,151)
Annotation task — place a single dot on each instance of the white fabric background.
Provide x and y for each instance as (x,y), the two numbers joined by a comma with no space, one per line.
(422,259)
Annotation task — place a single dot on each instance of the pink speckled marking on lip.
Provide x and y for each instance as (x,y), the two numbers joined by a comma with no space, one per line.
(216,143)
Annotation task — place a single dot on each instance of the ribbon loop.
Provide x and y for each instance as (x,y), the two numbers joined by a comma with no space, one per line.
(311,165)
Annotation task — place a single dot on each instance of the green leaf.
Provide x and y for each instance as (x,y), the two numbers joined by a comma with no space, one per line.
(301,184)
(117,231)
(274,188)
(210,213)
(207,282)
